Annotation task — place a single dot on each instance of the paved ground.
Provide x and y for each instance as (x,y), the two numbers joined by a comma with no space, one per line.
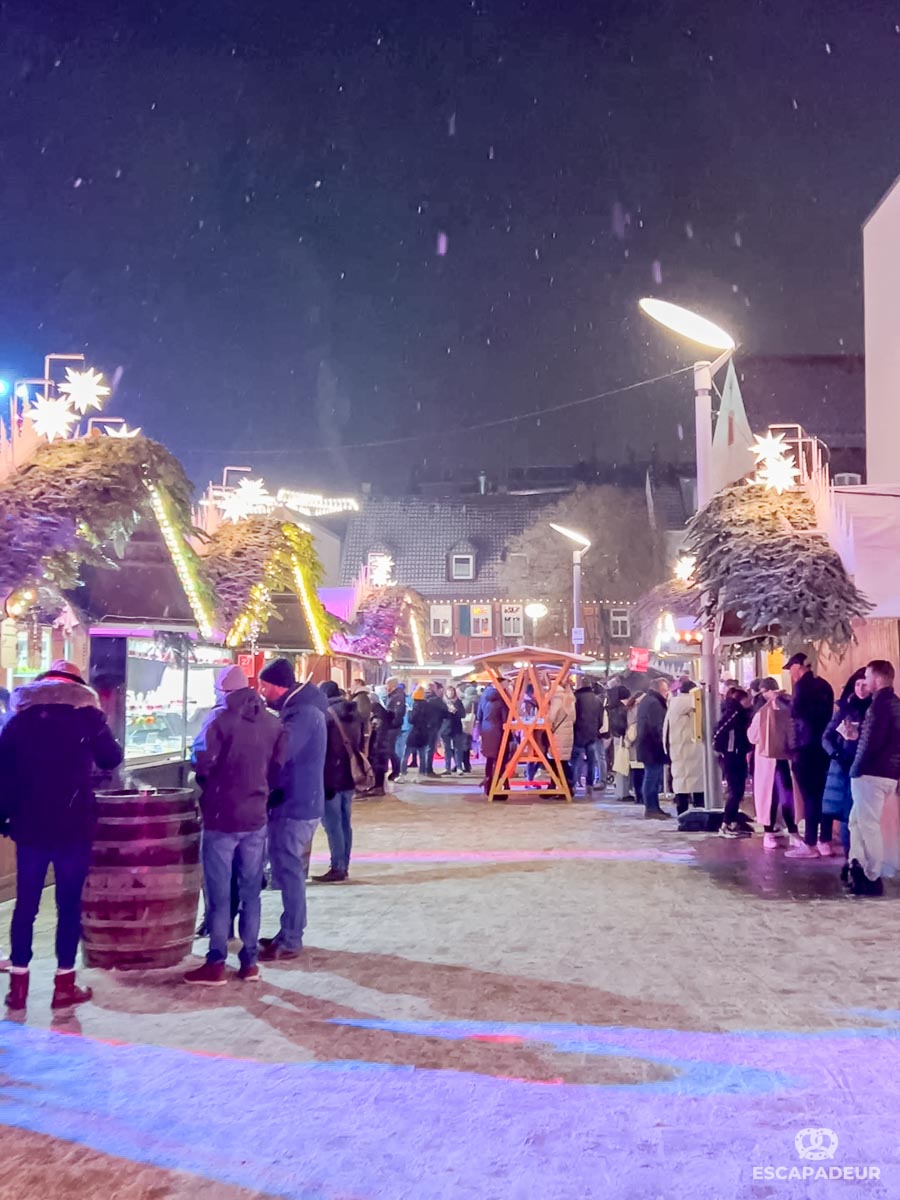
(519,1001)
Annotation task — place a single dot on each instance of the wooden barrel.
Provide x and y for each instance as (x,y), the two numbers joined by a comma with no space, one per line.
(139,905)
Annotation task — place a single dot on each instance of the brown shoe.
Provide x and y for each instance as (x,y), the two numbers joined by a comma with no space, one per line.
(210,974)
(276,953)
(66,993)
(17,996)
(250,974)
(330,877)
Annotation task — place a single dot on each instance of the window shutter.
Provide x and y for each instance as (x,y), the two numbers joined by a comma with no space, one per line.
(465,620)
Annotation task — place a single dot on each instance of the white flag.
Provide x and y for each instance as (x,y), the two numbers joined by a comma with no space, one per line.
(732,457)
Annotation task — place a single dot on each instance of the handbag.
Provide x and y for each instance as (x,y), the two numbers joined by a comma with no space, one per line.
(621,759)
(360,767)
(468,723)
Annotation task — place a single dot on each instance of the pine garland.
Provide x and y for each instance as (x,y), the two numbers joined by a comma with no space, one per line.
(382,625)
(759,556)
(74,497)
(259,550)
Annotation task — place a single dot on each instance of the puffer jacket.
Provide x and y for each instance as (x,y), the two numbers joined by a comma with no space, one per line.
(301,794)
(342,715)
(49,750)
(837,799)
(385,727)
(651,717)
(588,715)
(238,756)
(878,752)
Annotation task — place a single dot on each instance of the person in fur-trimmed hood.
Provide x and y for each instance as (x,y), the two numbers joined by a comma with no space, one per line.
(50,748)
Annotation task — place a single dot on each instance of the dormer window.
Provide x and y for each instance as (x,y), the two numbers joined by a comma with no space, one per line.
(462,566)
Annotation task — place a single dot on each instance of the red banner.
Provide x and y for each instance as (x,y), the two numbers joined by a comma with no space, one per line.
(639,660)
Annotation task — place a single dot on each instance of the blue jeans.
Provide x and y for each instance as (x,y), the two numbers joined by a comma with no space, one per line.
(289,846)
(653,785)
(70,867)
(336,822)
(221,852)
(585,755)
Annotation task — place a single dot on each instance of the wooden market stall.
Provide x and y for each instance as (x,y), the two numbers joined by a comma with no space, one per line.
(528,735)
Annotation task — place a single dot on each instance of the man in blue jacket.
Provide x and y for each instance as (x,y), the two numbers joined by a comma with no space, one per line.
(297,805)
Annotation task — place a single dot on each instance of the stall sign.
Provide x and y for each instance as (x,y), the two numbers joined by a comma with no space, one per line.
(639,660)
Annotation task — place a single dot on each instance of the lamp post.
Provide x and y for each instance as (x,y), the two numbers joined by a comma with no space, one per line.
(694,328)
(536,612)
(581,547)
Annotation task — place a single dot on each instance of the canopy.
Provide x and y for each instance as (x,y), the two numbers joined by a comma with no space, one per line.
(515,656)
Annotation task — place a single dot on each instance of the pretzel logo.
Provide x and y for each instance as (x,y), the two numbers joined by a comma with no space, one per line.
(815,1145)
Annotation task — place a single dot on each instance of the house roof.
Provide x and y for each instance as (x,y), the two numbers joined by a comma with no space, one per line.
(144,590)
(419,534)
(825,393)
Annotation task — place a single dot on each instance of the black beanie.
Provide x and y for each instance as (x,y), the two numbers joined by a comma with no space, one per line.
(329,689)
(280,673)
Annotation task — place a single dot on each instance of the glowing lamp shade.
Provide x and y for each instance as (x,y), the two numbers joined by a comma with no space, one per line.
(687,324)
(536,612)
(578,538)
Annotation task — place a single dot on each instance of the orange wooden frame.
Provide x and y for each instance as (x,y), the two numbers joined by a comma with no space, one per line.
(528,748)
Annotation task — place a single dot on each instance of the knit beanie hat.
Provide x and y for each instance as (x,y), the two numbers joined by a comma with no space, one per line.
(230,679)
(280,673)
(419,694)
(329,689)
(392,684)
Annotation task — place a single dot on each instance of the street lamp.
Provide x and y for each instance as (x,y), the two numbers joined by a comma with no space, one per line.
(536,612)
(582,545)
(694,328)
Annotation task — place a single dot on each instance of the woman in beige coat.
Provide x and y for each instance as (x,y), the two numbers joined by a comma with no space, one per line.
(685,750)
(770,733)
(562,724)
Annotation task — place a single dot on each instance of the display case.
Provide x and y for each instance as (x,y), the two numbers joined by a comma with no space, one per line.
(169,690)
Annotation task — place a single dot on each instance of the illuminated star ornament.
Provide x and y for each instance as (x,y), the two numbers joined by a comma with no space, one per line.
(769,446)
(84,389)
(52,417)
(684,568)
(778,474)
(248,498)
(121,431)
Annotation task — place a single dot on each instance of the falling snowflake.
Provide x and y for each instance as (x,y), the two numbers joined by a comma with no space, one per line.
(52,417)
(443,244)
(84,389)
(249,497)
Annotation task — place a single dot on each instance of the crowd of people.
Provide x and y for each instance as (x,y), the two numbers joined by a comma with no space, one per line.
(274,762)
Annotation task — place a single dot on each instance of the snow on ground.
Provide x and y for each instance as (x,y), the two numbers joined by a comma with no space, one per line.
(511,1001)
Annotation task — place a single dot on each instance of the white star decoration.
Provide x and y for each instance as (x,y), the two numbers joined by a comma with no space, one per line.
(121,431)
(249,497)
(52,417)
(84,389)
(770,445)
(778,473)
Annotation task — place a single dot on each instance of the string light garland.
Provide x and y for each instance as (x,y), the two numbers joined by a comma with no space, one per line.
(313,623)
(417,639)
(178,552)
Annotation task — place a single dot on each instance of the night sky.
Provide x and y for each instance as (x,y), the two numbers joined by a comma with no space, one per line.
(286,226)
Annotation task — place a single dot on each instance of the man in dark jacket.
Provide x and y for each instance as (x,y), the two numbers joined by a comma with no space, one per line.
(812,708)
(237,758)
(396,706)
(299,801)
(588,716)
(873,778)
(49,749)
(649,747)
(345,738)
(437,714)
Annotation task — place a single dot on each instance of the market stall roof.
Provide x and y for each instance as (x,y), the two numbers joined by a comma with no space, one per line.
(513,655)
(288,631)
(143,590)
(866,533)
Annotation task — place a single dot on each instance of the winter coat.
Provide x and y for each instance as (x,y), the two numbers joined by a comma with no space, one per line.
(238,756)
(770,732)
(837,800)
(490,719)
(471,698)
(651,718)
(396,705)
(812,708)
(338,773)
(385,727)
(730,735)
(682,746)
(878,752)
(588,716)
(301,795)
(562,722)
(452,726)
(616,710)
(49,749)
(437,714)
(419,726)
(363,701)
